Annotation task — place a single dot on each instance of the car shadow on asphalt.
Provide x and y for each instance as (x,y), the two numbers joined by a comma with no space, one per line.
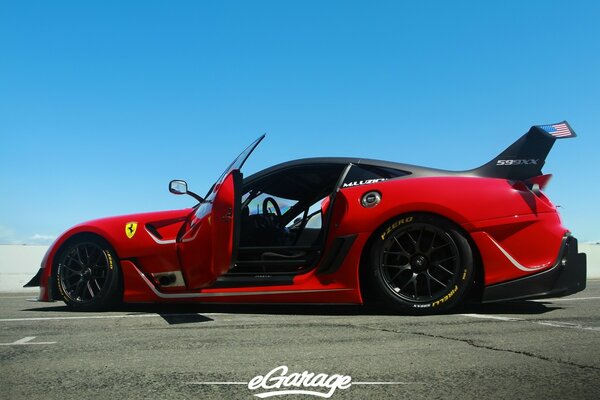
(185,313)
(513,307)
(516,307)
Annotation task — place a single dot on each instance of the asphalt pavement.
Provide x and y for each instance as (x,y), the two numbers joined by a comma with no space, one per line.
(546,349)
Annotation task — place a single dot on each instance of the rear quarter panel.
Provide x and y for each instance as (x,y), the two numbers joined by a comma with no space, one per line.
(488,210)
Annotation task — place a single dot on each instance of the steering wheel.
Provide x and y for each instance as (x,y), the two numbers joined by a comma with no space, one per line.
(265,206)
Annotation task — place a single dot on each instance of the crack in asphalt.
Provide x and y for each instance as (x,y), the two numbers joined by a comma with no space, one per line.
(472,343)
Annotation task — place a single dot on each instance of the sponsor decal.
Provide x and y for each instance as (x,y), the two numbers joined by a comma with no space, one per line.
(395,225)
(130,229)
(517,162)
(364,182)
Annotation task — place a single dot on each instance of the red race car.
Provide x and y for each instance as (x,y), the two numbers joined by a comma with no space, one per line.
(334,230)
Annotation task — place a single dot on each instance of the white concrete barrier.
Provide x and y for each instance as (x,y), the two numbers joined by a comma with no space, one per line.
(593,259)
(19,263)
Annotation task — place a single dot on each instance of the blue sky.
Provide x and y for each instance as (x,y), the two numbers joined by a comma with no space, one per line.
(103,102)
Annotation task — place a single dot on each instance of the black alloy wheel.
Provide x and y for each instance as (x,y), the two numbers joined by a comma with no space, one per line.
(88,275)
(422,264)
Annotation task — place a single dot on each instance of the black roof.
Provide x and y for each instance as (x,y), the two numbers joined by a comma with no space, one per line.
(414,170)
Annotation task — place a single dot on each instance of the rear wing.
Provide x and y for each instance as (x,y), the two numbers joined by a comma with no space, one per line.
(525,158)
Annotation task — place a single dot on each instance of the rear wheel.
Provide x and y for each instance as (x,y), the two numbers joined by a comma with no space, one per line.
(421,264)
(88,275)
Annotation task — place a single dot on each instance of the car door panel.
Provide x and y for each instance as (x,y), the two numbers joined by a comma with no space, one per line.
(207,247)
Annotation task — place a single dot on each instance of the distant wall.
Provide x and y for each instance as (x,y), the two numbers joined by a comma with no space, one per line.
(18,264)
(593,258)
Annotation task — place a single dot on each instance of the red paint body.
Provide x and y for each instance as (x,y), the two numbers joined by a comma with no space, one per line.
(491,212)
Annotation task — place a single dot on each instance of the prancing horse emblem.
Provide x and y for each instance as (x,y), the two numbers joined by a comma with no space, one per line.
(130,229)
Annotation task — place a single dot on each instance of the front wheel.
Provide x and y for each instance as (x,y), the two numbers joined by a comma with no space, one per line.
(88,275)
(421,264)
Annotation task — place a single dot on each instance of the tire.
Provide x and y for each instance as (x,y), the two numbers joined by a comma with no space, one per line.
(88,275)
(421,264)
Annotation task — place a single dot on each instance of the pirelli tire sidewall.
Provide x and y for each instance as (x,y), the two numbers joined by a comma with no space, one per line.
(447,300)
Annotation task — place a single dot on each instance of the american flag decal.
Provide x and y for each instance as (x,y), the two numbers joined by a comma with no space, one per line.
(560,130)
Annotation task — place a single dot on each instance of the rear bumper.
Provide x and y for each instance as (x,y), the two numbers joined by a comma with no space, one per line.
(567,276)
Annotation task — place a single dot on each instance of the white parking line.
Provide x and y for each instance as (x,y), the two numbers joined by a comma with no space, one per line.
(499,318)
(568,325)
(95,317)
(25,341)
(555,324)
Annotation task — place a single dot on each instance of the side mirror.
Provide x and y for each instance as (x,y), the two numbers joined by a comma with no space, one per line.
(178,187)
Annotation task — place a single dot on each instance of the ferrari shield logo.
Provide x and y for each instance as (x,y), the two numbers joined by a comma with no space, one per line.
(130,229)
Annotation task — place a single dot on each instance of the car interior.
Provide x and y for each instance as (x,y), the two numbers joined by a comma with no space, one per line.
(285,213)
(282,219)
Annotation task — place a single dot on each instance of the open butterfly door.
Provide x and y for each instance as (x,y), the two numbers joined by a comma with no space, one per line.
(208,245)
